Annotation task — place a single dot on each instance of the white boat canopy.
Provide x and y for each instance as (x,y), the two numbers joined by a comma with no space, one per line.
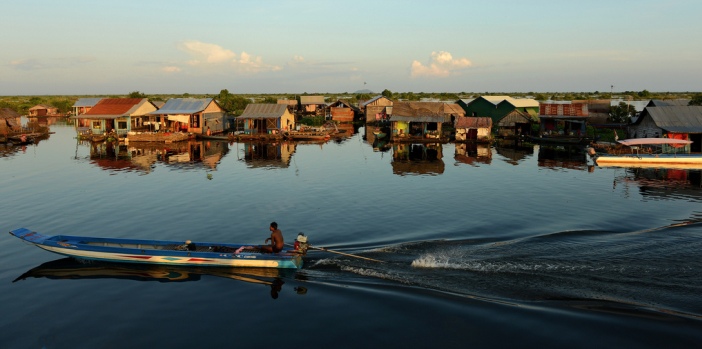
(643,141)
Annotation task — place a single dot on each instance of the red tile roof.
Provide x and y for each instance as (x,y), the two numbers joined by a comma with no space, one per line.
(113,106)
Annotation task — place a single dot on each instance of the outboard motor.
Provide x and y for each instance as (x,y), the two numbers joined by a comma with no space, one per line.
(301,243)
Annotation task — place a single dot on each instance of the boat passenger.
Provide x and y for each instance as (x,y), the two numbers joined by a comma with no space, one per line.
(276,240)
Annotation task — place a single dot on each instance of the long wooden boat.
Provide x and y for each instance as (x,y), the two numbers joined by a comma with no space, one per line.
(205,254)
(639,158)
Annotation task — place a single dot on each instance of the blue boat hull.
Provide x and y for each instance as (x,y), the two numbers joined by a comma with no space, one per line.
(160,251)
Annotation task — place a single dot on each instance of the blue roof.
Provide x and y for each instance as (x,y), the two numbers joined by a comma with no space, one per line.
(86,102)
(183,106)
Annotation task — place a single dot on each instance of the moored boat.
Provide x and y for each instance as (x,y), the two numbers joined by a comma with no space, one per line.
(660,152)
(165,252)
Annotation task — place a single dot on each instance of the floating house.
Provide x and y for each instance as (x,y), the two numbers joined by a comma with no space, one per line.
(516,124)
(83,105)
(42,110)
(563,121)
(202,116)
(679,122)
(497,107)
(419,121)
(473,129)
(266,119)
(312,105)
(377,109)
(119,115)
(341,111)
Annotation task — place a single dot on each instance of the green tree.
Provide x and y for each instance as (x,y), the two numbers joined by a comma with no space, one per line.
(644,94)
(621,113)
(137,94)
(696,99)
(387,93)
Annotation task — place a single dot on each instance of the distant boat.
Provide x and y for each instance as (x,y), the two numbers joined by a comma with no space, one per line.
(205,254)
(654,155)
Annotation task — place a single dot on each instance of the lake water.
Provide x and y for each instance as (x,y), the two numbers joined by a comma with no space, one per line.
(503,246)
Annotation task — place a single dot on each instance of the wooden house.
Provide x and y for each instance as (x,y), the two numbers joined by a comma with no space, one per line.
(679,122)
(563,119)
(119,115)
(496,107)
(377,109)
(341,111)
(202,116)
(419,121)
(475,129)
(266,119)
(42,110)
(83,105)
(516,124)
(312,105)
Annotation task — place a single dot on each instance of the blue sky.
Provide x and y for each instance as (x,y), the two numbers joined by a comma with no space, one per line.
(157,47)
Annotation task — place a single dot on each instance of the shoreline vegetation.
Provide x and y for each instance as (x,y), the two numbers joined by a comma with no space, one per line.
(235,103)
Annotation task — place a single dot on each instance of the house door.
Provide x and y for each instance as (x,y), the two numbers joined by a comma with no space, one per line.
(696,146)
(472,134)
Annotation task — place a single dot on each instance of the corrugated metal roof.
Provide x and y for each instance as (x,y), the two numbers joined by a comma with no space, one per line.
(420,112)
(263,111)
(517,102)
(668,102)
(680,119)
(371,100)
(183,106)
(473,122)
(86,102)
(311,100)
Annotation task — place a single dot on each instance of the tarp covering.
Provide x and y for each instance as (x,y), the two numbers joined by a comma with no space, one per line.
(179,117)
(642,141)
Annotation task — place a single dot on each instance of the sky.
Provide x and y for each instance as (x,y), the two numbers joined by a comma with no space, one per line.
(73,47)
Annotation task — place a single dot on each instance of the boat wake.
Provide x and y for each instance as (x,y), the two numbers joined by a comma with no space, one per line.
(656,269)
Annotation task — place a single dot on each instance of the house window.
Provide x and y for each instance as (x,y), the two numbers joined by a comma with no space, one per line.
(122,125)
(195,120)
(97,124)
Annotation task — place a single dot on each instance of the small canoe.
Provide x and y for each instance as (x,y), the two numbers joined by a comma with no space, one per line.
(204,254)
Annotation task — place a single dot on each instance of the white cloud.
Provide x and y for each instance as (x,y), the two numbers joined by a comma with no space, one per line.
(441,64)
(171,69)
(206,54)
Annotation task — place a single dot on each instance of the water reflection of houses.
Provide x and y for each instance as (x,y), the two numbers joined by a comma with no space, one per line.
(417,159)
(513,152)
(143,156)
(473,154)
(566,156)
(269,155)
(662,183)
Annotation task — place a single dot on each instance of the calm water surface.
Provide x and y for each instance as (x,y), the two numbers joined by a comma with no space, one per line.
(483,247)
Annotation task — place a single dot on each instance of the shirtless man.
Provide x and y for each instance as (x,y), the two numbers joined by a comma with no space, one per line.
(276,240)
